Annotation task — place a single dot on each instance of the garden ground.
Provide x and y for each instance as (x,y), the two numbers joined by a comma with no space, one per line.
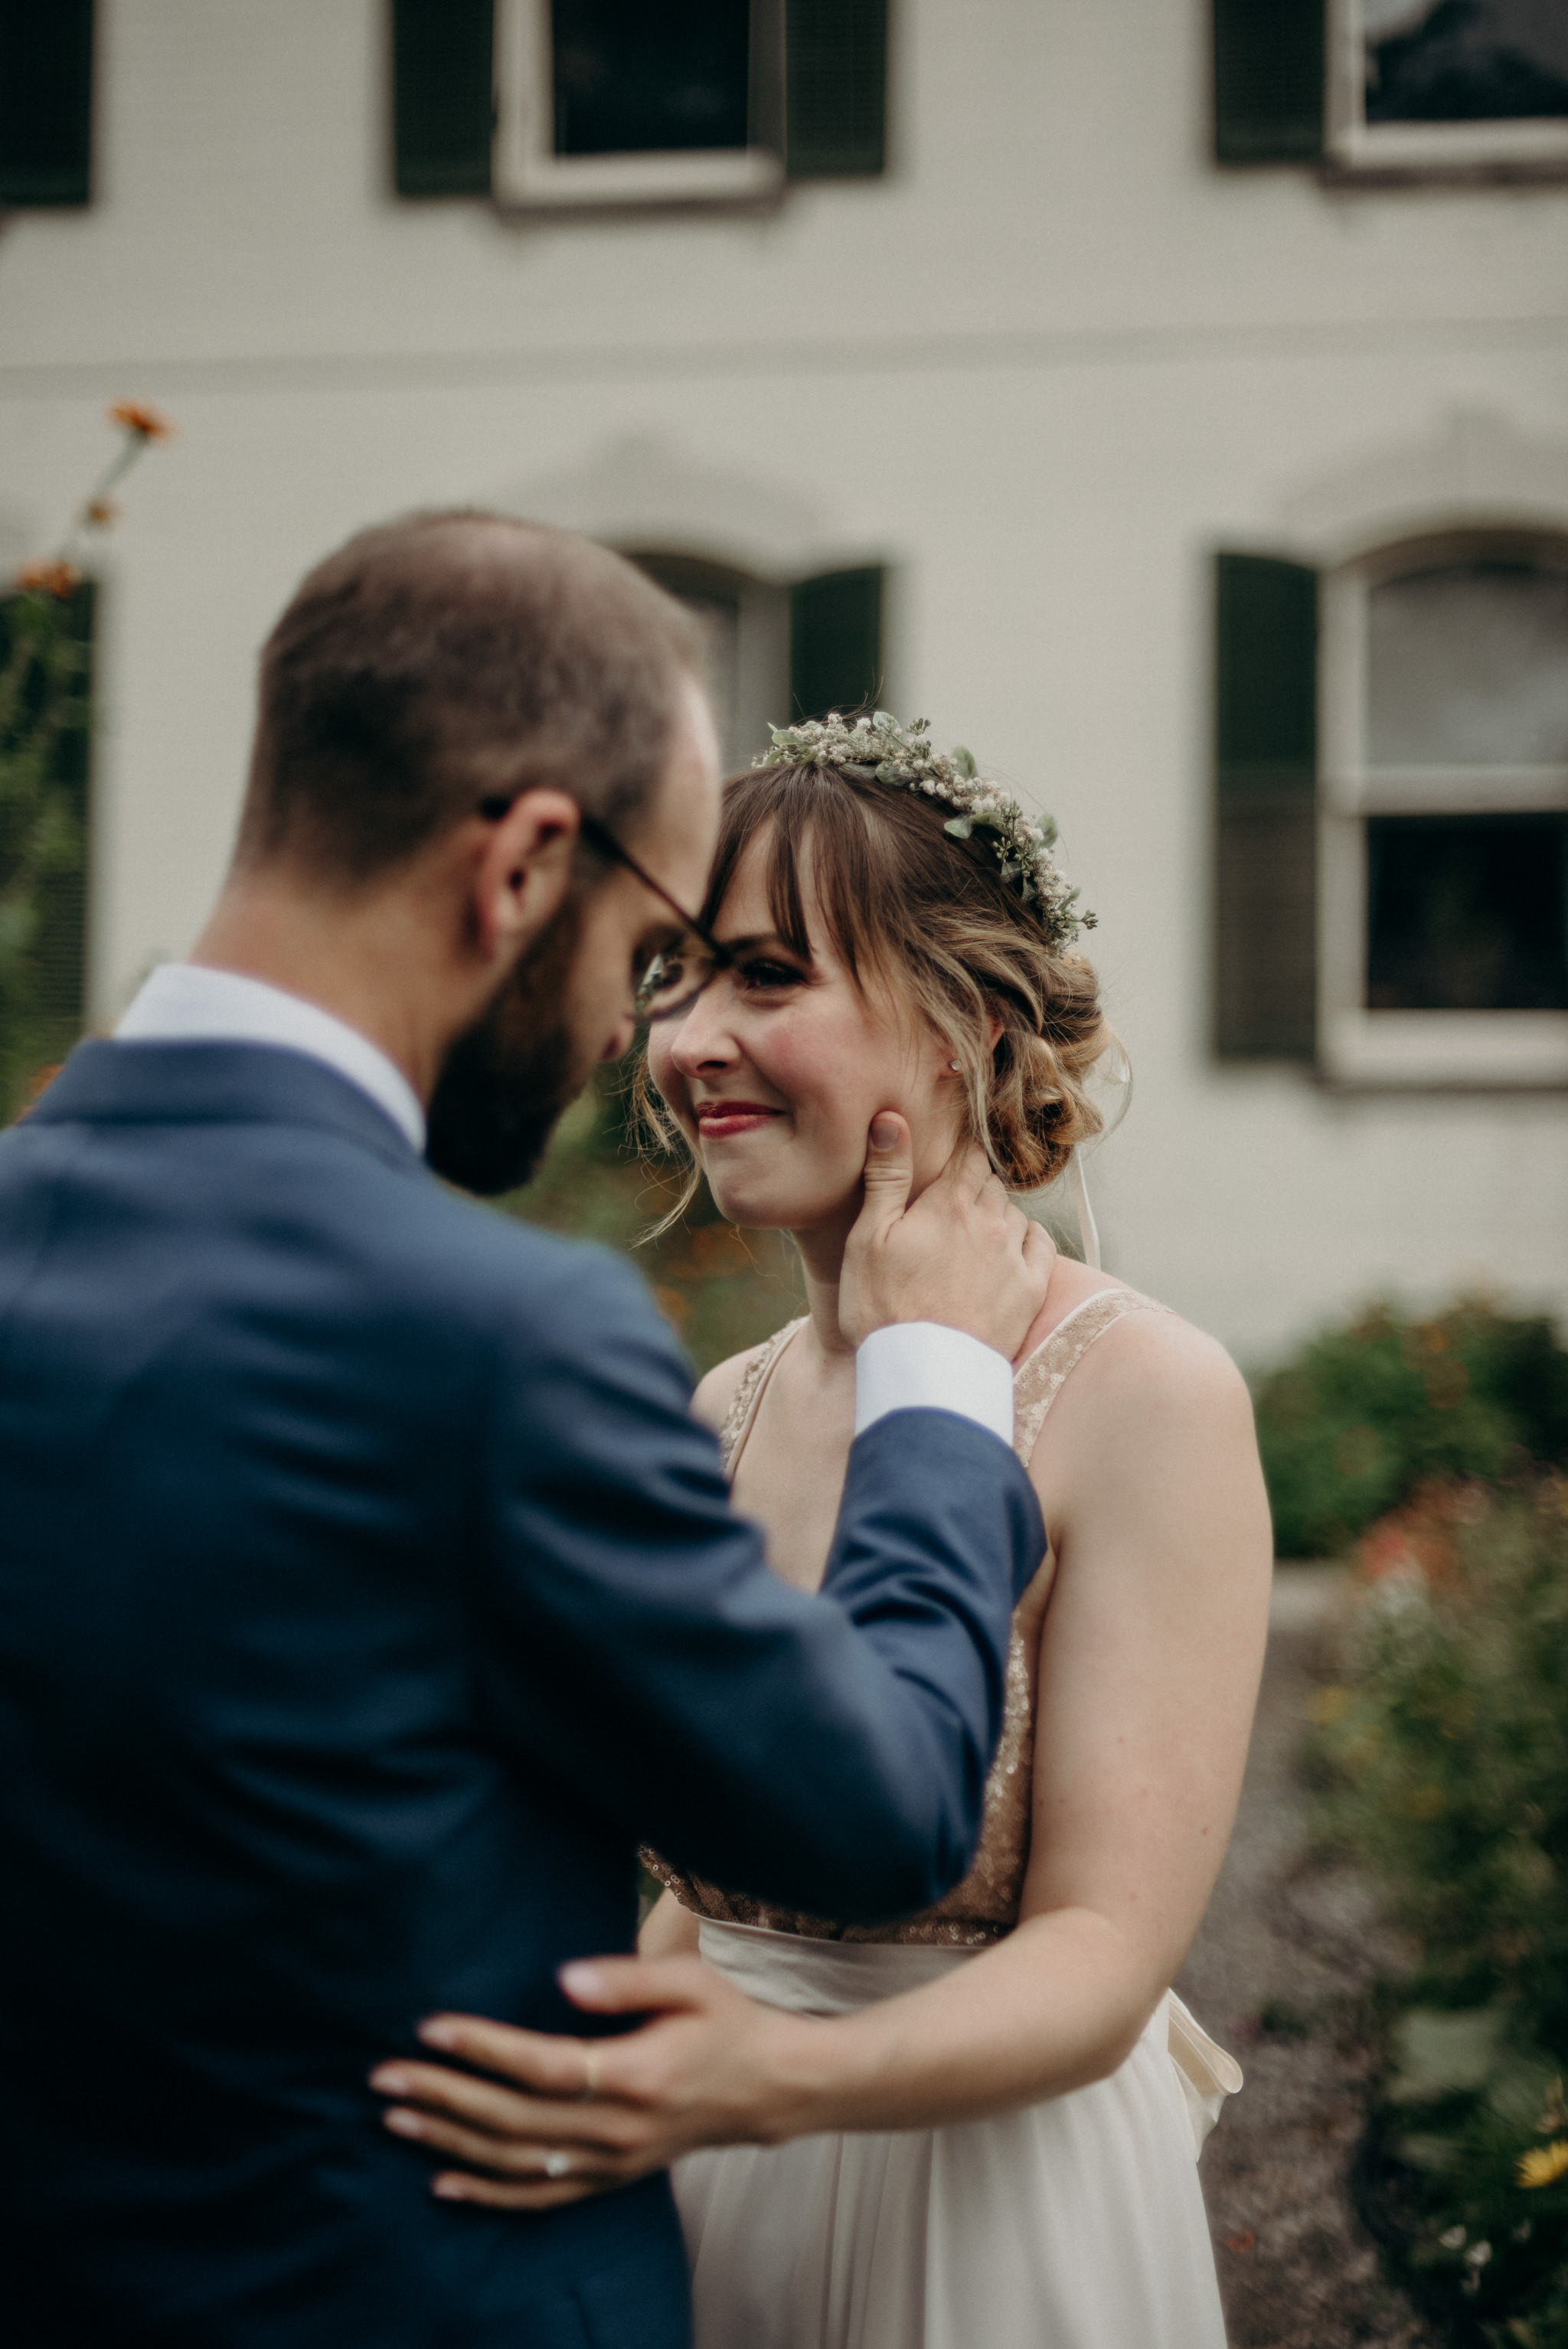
(1281,1973)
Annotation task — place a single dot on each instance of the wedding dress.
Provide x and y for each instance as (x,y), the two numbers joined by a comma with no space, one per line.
(1073,2224)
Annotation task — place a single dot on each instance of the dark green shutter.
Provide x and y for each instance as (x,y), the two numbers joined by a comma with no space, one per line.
(43,990)
(443,99)
(46,102)
(1268,80)
(835,642)
(835,85)
(1266,894)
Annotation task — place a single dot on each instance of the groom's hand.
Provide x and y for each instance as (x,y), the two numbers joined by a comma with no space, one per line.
(963,1254)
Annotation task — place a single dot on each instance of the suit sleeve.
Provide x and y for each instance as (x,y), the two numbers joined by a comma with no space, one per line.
(828,1753)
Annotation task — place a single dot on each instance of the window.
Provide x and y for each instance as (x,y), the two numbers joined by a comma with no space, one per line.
(1444,813)
(46,102)
(1393,86)
(1448,83)
(632,99)
(551,102)
(778,652)
(1391,813)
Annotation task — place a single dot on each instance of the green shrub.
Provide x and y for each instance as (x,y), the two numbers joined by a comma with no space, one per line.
(1363,1416)
(1446,1749)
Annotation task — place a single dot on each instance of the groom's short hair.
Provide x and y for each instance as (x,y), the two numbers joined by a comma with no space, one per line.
(446,658)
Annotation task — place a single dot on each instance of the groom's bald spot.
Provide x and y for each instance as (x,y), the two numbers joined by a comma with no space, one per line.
(446,658)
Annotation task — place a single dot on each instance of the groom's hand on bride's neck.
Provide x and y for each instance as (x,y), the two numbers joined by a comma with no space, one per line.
(961,1254)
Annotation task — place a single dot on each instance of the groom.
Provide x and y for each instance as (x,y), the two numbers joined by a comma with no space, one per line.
(366,1593)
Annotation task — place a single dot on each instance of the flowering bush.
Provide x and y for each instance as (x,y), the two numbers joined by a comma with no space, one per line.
(44,635)
(1365,1416)
(1446,1750)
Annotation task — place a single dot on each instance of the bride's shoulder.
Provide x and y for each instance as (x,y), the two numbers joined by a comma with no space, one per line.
(718,1390)
(1153,1348)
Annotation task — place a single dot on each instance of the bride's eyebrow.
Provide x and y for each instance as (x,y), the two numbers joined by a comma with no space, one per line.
(751,940)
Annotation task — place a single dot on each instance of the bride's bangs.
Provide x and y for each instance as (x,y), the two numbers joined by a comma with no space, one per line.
(928,916)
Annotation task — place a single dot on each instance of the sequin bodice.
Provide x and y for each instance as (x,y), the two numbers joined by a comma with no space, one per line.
(984,1906)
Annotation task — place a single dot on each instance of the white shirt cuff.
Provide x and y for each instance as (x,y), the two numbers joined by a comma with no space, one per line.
(925,1366)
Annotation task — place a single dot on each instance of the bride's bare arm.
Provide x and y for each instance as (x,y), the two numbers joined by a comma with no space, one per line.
(668,1930)
(1149,1668)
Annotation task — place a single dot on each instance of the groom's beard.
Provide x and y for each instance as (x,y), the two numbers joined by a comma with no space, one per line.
(507,1078)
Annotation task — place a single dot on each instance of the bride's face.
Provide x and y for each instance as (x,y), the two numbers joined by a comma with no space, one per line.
(777,1070)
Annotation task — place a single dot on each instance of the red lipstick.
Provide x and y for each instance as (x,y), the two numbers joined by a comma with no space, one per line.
(718,1120)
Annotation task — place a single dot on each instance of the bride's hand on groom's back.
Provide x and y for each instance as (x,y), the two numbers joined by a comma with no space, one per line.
(556,2119)
(961,1254)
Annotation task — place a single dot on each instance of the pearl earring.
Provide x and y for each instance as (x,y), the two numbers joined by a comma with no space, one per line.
(954,1066)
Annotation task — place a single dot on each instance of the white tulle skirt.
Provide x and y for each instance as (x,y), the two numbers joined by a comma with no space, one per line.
(1074,2224)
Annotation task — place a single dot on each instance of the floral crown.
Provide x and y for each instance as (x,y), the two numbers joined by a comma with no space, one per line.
(879,750)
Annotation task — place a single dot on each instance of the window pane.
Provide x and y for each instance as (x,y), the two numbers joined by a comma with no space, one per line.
(1465,60)
(650,76)
(712,596)
(1468,667)
(1467,912)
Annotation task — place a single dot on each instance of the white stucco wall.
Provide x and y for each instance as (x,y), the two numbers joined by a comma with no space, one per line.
(1043,369)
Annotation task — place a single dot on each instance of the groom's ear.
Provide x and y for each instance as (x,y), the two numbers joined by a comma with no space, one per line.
(520,870)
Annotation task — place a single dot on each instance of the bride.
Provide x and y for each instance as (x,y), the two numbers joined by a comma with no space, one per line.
(975,2129)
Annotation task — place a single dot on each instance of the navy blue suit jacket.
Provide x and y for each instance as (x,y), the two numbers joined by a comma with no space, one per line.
(366,1593)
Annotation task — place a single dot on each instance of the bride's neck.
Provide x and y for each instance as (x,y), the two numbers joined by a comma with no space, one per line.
(822,1261)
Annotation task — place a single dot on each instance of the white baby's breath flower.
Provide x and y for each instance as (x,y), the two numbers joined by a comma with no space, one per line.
(902,757)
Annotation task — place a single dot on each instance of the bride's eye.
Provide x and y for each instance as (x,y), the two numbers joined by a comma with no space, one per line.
(760,975)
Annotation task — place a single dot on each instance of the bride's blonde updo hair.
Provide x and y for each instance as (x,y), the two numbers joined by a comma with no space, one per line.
(933,920)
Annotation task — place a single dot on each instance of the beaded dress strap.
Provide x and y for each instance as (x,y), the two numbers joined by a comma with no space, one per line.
(1040,1379)
(747,1395)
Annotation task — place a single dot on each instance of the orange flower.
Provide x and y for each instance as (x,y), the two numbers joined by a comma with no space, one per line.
(101,511)
(47,578)
(139,416)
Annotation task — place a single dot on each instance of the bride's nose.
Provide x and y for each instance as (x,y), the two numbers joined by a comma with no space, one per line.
(703,1040)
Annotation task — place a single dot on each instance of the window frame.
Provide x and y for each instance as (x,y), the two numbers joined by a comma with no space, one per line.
(1361,1047)
(526,172)
(1529,147)
(762,609)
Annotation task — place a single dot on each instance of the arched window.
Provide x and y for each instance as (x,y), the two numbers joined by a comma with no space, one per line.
(1443,930)
(1391,813)
(777,652)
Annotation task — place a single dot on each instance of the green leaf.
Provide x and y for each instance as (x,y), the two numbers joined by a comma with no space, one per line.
(1441,2054)
(965,762)
(1430,2153)
(960,826)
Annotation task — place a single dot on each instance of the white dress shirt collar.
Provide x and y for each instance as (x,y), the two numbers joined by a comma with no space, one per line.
(186,1002)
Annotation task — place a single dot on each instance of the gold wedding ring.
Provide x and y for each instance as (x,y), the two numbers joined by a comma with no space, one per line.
(590,2073)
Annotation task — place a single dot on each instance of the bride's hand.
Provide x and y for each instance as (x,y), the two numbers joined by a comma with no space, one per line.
(578,2116)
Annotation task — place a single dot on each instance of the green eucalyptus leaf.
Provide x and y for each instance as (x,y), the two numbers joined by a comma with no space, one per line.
(960,826)
(965,762)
